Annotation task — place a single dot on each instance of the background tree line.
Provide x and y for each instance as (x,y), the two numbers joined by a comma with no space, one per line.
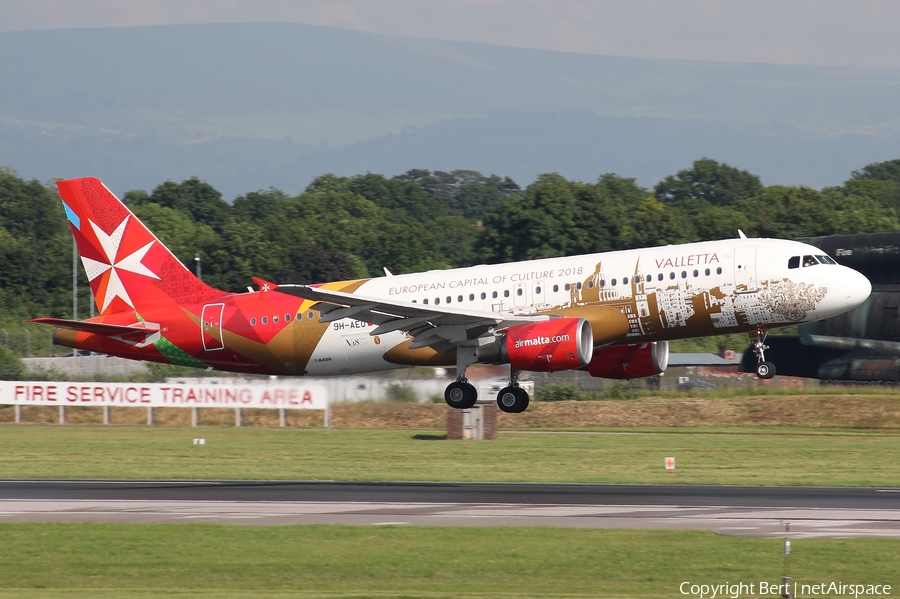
(347,227)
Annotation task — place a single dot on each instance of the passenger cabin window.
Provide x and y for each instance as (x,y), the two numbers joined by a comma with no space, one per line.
(471,297)
(613,282)
(275,319)
(287,317)
(794,262)
(706,272)
(719,270)
(483,295)
(519,291)
(424,301)
(252,322)
(659,277)
(555,288)
(809,261)
(506,293)
(590,284)
(494,295)
(265,320)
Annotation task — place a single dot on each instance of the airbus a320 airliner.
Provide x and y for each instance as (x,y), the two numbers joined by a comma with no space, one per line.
(611,314)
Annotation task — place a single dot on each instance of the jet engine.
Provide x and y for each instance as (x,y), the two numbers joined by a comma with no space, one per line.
(547,346)
(630,361)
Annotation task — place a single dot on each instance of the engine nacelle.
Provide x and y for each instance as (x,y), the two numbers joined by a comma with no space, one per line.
(630,361)
(547,346)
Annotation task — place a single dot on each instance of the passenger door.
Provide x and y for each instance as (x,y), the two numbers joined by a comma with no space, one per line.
(745,270)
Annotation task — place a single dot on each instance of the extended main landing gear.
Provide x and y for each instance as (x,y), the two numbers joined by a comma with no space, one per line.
(764,370)
(461,394)
(513,399)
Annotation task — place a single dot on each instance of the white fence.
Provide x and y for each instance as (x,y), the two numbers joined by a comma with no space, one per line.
(86,367)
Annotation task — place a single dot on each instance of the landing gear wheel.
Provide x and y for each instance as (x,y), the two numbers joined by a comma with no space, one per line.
(765,370)
(512,400)
(460,395)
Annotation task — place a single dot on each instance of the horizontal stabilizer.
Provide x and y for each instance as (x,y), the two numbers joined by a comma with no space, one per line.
(95,327)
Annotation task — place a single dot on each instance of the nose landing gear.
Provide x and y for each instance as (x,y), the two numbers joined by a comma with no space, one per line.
(764,369)
(512,399)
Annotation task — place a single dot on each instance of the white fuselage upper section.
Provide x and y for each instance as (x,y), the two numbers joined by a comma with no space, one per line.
(669,292)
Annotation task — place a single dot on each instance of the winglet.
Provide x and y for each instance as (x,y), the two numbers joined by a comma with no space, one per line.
(741,234)
(387,273)
(264,286)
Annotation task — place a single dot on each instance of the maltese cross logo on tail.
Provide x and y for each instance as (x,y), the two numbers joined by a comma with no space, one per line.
(110,285)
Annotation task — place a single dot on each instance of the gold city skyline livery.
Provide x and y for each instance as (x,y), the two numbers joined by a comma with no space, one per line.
(611,314)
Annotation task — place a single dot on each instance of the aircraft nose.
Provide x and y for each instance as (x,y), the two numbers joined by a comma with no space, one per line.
(856,287)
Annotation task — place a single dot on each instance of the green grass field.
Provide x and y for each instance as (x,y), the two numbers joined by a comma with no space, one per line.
(760,456)
(198,560)
(108,561)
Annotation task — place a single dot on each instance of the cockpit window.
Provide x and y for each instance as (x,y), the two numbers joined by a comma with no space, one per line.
(794,262)
(826,259)
(809,261)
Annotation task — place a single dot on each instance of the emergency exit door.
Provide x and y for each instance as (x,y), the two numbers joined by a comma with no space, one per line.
(211,327)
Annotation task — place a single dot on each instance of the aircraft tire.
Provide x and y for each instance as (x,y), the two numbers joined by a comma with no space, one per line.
(765,370)
(461,396)
(512,400)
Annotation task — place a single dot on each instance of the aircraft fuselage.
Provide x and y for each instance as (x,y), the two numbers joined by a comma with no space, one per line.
(669,292)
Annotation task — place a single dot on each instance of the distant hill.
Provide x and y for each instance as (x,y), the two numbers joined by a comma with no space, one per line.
(246,106)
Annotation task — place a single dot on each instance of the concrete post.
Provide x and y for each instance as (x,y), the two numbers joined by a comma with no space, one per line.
(281,418)
(18,413)
(62,414)
(105,414)
(490,420)
(477,422)
(149,416)
(195,417)
(237,417)
(454,423)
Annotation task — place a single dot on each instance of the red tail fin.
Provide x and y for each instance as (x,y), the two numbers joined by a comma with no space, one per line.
(127,266)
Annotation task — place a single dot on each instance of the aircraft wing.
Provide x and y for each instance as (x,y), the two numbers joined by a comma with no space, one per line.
(438,327)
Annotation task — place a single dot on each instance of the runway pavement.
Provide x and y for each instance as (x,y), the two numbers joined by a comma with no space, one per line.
(735,510)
